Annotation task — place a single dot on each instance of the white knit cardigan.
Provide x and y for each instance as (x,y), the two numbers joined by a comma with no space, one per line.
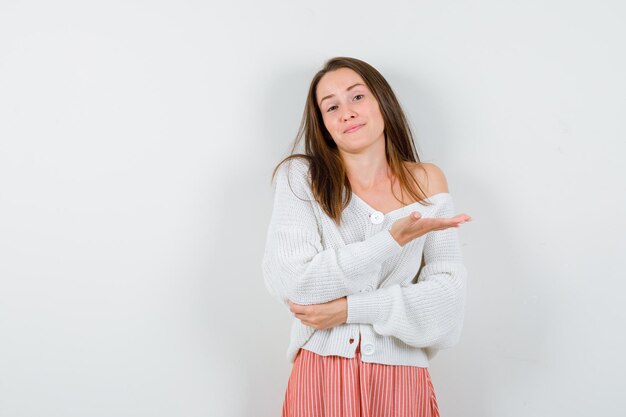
(399,318)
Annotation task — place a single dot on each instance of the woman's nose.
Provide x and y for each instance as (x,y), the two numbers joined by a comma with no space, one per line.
(348,114)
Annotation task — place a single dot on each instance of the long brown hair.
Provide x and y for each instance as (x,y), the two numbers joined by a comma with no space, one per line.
(328,174)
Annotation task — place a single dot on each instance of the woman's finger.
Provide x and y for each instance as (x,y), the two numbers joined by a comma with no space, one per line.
(441,223)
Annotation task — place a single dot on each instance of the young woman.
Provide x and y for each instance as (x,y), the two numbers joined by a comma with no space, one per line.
(363,249)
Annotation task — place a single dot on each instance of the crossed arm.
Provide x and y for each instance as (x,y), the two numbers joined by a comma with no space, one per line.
(322,286)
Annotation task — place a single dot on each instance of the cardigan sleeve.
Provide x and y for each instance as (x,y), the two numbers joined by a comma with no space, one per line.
(295,264)
(430,312)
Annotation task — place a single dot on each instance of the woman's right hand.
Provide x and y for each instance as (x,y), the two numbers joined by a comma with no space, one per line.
(413,226)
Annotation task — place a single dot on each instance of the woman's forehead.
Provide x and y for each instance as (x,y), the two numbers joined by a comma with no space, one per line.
(338,81)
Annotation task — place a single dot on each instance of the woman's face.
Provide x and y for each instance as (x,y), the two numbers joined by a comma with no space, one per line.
(350,111)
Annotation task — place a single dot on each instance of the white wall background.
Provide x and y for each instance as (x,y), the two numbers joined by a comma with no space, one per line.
(136,144)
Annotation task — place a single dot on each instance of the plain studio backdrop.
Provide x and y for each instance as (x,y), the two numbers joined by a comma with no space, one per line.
(137,143)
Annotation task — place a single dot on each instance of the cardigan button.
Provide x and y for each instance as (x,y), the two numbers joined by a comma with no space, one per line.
(377,217)
(368,348)
(370,287)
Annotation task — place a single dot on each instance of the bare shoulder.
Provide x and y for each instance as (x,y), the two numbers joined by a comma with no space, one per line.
(430,177)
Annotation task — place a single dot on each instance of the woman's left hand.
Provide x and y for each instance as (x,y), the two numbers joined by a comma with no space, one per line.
(322,316)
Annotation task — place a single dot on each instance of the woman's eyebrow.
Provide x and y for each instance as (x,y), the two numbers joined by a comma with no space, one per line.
(347,89)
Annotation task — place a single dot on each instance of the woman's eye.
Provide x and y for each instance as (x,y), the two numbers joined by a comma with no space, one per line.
(355,97)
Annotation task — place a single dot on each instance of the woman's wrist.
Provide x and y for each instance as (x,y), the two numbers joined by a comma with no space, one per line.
(398,237)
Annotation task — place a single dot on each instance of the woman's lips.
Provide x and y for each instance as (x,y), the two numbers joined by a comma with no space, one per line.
(354,129)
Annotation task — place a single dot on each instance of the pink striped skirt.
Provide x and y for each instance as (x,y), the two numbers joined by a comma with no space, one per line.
(334,386)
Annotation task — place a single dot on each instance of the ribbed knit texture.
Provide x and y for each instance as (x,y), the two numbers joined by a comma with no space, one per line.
(398,318)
